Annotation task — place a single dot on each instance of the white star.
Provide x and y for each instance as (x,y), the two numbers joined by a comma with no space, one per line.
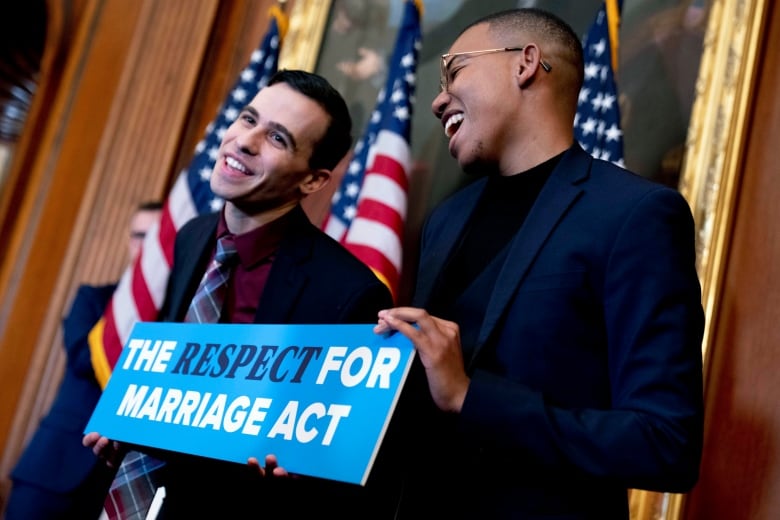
(605,155)
(200,146)
(350,212)
(257,56)
(247,75)
(213,153)
(335,198)
(401,113)
(239,95)
(407,60)
(576,120)
(220,133)
(409,78)
(397,96)
(354,167)
(589,126)
(376,116)
(216,204)
(584,95)
(599,47)
(591,70)
(597,102)
(205,173)
(231,114)
(609,100)
(613,133)
(352,190)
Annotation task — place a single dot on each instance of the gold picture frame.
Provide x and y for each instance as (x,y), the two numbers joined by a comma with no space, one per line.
(713,152)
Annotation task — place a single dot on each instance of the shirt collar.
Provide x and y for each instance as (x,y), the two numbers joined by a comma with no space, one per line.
(258,244)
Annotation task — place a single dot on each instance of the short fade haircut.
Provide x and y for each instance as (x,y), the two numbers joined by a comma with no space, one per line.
(337,140)
(149,205)
(544,25)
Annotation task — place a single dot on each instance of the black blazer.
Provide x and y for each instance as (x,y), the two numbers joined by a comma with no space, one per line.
(313,280)
(585,363)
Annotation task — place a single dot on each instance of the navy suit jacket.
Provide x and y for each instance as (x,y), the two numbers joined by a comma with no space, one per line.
(584,356)
(57,477)
(314,280)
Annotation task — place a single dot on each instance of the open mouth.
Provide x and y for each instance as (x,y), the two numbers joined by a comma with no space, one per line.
(452,124)
(235,165)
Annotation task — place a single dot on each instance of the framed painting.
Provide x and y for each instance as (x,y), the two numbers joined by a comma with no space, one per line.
(685,73)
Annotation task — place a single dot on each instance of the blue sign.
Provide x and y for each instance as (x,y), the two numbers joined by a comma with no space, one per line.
(319,397)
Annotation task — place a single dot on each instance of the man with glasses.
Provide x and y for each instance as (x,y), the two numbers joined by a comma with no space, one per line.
(557,315)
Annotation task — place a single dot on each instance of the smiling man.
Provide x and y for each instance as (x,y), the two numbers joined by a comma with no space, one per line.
(558,313)
(280,268)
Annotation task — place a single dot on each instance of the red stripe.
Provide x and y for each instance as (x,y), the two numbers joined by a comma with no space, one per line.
(147,311)
(389,167)
(377,261)
(167,235)
(111,344)
(371,209)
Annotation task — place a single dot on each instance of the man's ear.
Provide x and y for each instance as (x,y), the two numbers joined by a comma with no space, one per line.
(315,181)
(528,64)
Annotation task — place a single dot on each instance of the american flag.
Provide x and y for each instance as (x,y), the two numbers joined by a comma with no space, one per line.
(141,290)
(597,123)
(368,210)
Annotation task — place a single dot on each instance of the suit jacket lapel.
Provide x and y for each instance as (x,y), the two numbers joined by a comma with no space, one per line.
(192,264)
(287,279)
(557,195)
(437,255)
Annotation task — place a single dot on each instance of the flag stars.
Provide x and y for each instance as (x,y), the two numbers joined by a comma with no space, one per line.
(239,95)
(350,212)
(231,114)
(397,96)
(354,166)
(216,204)
(589,126)
(407,60)
(600,47)
(598,102)
(213,153)
(401,113)
(592,70)
(257,56)
(247,75)
(205,173)
(584,95)
(353,189)
(613,133)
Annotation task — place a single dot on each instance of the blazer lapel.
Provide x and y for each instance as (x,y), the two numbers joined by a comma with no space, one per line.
(437,254)
(192,264)
(287,279)
(557,195)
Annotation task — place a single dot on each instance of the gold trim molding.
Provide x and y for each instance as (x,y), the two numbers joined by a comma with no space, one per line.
(714,153)
(307,26)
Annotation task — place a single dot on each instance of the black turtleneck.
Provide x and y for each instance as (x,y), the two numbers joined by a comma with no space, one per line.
(497,217)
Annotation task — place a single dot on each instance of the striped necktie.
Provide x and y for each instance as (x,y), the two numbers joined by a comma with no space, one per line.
(133,489)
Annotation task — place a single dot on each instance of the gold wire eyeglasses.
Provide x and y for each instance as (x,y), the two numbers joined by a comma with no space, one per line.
(444,73)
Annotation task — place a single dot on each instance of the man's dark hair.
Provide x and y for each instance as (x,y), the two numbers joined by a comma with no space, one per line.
(149,205)
(338,138)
